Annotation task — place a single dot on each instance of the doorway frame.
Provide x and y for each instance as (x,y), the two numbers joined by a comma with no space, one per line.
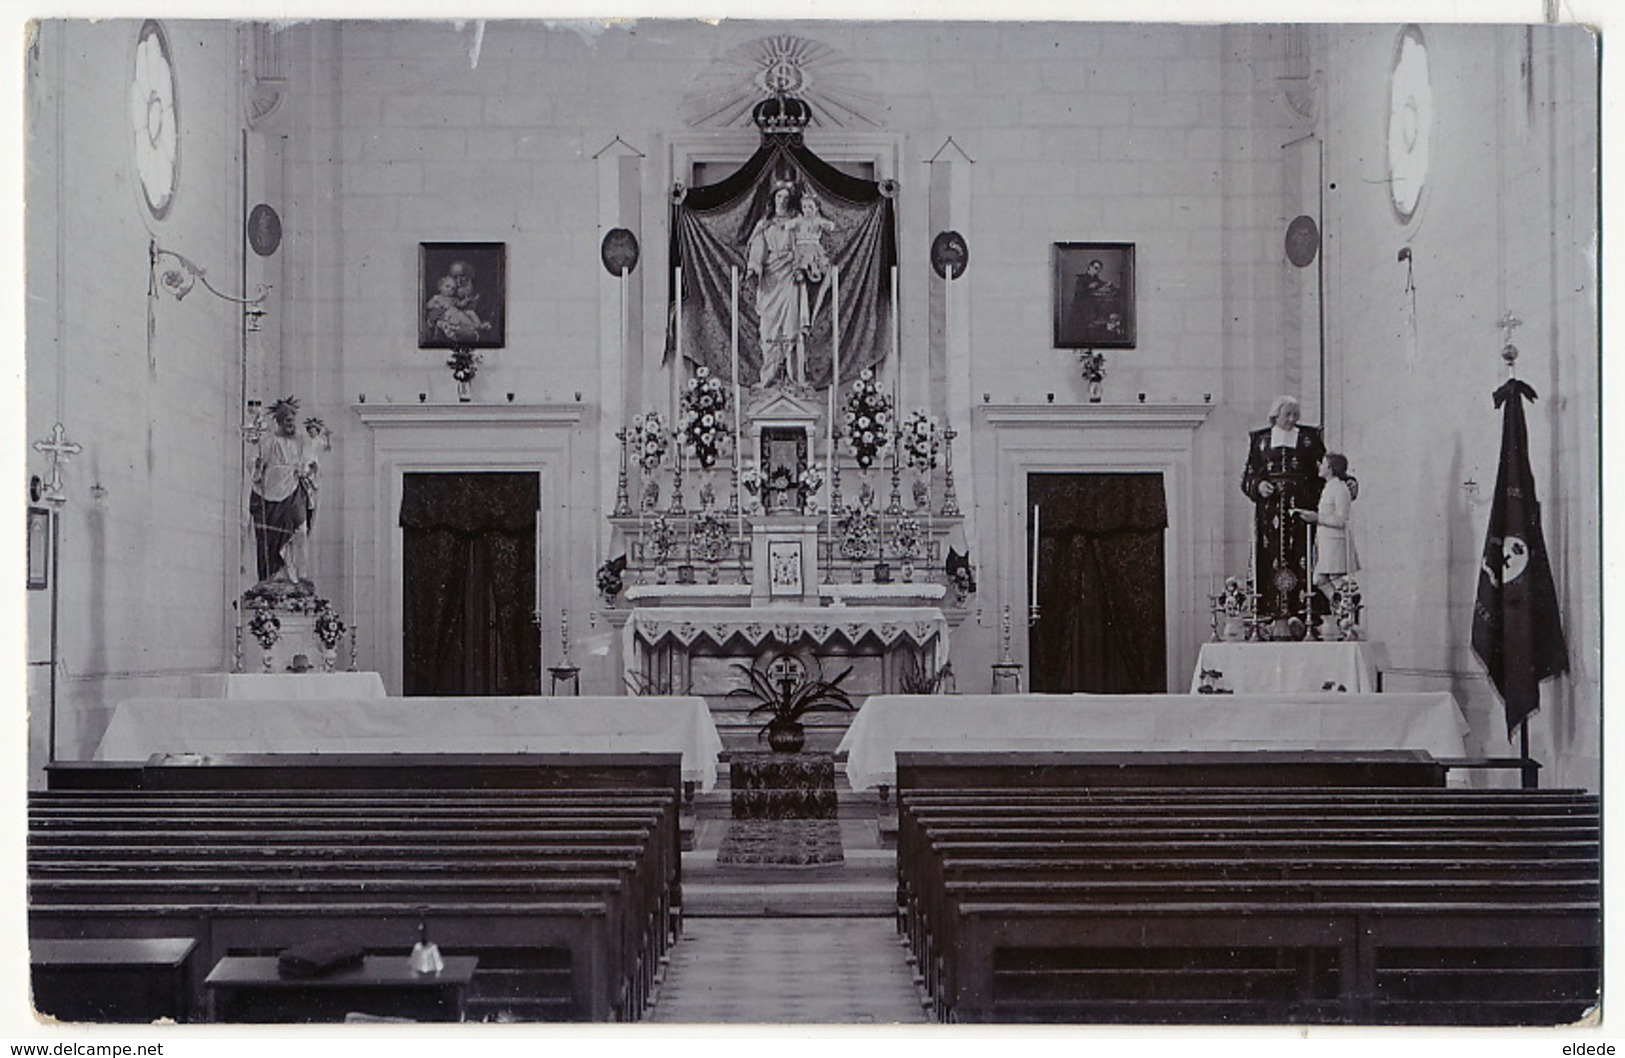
(1099,439)
(465,438)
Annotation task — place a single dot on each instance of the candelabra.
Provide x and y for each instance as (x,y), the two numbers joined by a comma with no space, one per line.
(677,480)
(1007,670)
(950,499)
(623,499)
(237,648)
(895,507)
(352,647)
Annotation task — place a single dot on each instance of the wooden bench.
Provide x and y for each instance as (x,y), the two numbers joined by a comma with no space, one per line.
(129,979)
(1056,902)
(574,854)
(1207,770)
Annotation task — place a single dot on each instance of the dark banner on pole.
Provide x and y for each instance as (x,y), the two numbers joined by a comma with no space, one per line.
(1517,628)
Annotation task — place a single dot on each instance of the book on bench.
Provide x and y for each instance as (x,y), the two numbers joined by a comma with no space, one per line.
(316,958)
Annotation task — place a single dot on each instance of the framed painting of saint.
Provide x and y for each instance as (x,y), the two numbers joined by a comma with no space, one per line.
(1094,295)
(462,294)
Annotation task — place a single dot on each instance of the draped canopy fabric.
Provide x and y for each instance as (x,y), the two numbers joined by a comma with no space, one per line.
(711,229)
(470,504)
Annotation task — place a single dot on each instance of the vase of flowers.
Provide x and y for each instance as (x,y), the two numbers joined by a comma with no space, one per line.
(329,629)
(265,627)
(868,419)
(464,364)
(812,479)
(649,435)
(704,402)
(1092,365)
(919,439)
(609,578)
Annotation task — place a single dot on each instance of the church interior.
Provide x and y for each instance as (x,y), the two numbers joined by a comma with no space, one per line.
(422,415)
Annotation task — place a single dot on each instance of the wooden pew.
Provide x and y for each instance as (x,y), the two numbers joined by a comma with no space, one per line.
(575,853)
(1172,904)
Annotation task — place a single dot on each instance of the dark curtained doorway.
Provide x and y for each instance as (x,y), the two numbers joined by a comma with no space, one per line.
(1101,626)
(469,571)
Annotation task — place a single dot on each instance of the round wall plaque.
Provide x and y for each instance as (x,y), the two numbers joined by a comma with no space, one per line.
(264,230)
(619,251)
(949,254)
(1302,241)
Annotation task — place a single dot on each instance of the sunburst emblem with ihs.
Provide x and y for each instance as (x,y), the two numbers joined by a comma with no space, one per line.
(835,88)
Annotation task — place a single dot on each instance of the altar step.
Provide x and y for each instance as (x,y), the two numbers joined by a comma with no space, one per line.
(864,885)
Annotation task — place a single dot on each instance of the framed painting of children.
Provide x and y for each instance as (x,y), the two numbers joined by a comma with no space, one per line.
(462,288)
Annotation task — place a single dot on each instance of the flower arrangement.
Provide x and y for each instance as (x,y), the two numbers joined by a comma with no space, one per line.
(964,582)
(710,537)
(265,626)
(859,534)
(704,402)
(919,438)
(649,437)
(1092,365)
(868,418)
(750,479)
(906,537)
(609,578)
(329,627)
(464,363)
(661,538)
(812,479)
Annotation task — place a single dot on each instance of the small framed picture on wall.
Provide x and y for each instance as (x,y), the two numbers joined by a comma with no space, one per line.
(1094,295)
(39,548)
(462,295)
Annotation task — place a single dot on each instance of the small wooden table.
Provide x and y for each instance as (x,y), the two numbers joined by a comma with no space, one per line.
(112,979)
(249,989)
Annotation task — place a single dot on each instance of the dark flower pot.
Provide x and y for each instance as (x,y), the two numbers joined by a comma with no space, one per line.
(786,737)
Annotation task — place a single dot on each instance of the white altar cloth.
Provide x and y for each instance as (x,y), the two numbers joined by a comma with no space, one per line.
(1288,668)
(143,727)
(919,625)
(1125,723)
(304,685)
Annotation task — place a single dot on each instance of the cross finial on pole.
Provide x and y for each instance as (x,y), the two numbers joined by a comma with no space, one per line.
(58,448)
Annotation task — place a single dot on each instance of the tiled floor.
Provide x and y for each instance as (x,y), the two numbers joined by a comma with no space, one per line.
(831,971)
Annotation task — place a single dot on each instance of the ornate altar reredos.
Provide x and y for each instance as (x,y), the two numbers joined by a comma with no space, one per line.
(783,501)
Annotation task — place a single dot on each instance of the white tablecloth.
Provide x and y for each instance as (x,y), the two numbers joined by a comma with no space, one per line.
(784,625)
(142,727)
(1287,668)
(1168,722)
(304,685)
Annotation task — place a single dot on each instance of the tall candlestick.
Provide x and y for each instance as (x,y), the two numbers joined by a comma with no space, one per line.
(739,408)
(896,352)
(834,378)
(1035,555)
(739,414)
(353,574)
(1212,565)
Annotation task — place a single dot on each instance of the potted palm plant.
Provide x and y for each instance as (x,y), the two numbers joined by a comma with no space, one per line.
(785,694)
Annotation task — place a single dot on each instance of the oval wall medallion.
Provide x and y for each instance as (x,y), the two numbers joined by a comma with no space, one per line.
(1302,240)
(619,251)
(264,230)
(949,253)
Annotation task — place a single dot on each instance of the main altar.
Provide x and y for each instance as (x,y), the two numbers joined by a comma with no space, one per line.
(786,562)
(779,499)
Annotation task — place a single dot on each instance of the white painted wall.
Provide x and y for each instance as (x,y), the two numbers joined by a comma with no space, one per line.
(1171,137)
